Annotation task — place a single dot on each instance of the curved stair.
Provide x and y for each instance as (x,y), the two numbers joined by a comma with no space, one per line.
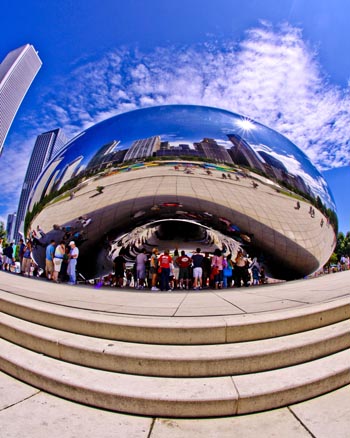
(177,367)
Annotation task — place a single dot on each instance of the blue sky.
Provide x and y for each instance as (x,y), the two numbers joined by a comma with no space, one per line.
(283,63)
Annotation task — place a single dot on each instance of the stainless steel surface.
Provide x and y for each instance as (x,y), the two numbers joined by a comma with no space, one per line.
(216,179)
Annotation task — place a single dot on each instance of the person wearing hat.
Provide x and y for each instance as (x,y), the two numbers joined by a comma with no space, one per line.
(72,262)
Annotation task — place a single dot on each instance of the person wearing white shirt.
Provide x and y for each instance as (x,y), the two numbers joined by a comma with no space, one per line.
(72,263)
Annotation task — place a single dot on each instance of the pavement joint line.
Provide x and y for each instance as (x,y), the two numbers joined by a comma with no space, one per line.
(238,394)
(180,304)
(302,424)
(25,398)
(151,427)
(227,301)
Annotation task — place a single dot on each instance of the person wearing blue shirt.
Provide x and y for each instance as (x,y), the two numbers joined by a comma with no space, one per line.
(50,252)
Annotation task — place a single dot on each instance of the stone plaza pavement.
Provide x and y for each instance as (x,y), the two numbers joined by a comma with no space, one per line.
(26,411)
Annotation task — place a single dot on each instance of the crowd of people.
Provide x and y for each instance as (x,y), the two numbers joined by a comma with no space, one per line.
(60,259)
(155,271)
(180,270)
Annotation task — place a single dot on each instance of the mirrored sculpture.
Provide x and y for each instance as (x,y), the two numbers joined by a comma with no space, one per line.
(170,174)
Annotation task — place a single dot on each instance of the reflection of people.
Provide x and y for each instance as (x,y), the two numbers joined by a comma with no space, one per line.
(72,263)
(263,279)
(255,268)
(84,221)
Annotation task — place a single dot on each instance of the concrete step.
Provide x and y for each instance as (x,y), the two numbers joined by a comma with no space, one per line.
(176,360)
(177,397)
(176,330)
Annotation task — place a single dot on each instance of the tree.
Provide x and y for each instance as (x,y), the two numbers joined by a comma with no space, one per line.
(343,245)
(2,231)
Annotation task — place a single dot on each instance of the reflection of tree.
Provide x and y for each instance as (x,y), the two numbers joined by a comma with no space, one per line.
(39,206)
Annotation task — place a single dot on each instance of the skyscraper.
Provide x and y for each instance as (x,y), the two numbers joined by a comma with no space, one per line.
(46,146)
(143,148)
(10,226)
(17,72)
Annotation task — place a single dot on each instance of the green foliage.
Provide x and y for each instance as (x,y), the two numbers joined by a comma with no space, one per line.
(2,232)
(333,260)
(343,245)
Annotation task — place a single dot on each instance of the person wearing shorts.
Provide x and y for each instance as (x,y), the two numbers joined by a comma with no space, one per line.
(57,260)
(154,269)
(50,251)
(197,260)
(184,262)
(27,259)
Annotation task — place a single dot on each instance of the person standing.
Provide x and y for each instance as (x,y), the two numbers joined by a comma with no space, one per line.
(1,254)
(8,257)
(21,247)
(119,268)
(154,269)
(27,259)
(184,262)
(58,259)
(228,271)
(164,263)
(141,260)
(206,268)
(241,270)
(72,263)
(197,260)
(217,264)
(50,252)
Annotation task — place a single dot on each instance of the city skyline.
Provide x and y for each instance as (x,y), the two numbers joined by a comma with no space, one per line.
(281,64)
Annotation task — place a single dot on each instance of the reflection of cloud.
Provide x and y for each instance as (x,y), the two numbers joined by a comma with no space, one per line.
(271,75)
(294,166)
(226,143)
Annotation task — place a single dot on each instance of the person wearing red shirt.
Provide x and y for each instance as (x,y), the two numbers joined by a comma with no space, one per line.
(164,264)
(184,262)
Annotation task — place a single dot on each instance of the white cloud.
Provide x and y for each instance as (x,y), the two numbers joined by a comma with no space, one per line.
(271,75)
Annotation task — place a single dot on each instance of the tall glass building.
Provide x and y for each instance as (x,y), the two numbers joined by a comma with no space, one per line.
(45,148)
(10,226)
(17,72)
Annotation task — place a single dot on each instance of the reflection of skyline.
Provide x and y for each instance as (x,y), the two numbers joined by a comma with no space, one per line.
(193,131)
(68,172)
(240,153)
